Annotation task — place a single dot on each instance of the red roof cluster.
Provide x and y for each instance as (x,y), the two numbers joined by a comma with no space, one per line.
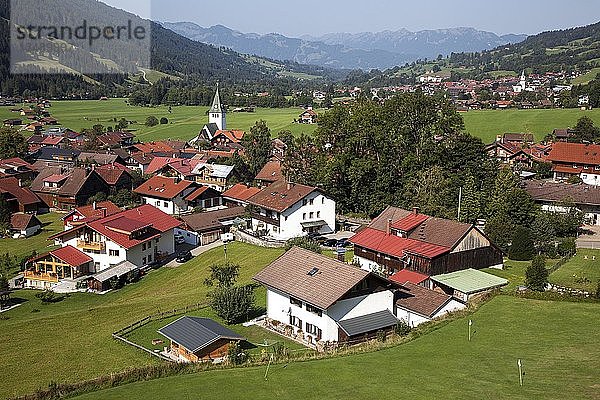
(395,245)
(410,222)
(234,136)
(181,165)
(241,192)
(111,173)
(162,187)
(23,195)
(95,211)
(576,153)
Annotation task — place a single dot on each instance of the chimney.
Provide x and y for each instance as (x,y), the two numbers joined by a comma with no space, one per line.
(416,210)
(94,206)
(389,227)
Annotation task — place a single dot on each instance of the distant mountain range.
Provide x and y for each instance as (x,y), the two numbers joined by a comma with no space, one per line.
(345,50)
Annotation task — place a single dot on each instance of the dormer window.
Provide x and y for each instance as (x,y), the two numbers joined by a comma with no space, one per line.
(575,166)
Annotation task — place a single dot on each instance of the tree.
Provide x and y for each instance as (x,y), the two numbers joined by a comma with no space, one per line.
(12,143)
(471,201)
(500,231)
(152,121)
(536,274)
(521,248)
(164,121)
(542,231)
(3,283)
(230,302)
(5,213)
(257,147)
(224,275)
(122,124)
(305,243)
(585,131)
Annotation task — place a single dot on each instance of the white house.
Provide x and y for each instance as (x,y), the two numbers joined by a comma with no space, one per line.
(416,304)
(141,236)
(167,194)
(285,210)
(24,225)
(318,299)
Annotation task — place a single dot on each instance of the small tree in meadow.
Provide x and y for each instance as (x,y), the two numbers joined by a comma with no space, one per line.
(230,302)
(522,245)
(536,275)
(151,121)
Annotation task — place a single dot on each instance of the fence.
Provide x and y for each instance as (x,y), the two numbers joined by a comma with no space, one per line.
(244,237)
(120,334)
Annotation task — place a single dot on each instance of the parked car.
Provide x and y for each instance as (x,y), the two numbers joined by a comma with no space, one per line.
(330,243)
(184,256)
(227,237)
(179,239)
(343,243)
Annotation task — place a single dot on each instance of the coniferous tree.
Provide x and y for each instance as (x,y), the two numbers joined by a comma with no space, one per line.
(521,248)
(471,201)
(536,274)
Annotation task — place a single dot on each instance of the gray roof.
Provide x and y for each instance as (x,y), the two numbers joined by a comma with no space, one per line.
(195,333)
(368,323)
(216,170)
(118,270)
(216,105)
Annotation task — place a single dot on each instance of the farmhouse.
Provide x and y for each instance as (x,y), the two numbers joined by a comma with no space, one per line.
(117,176)
(142,235)
(63,189)
(24,225)
(400,239)
(576,159)
(315,298)
(19,198)
(227,139)
(285,210)
(172,167)
(214,175)
(238,195)
(560,197)
(209,226)
(309,116)
(465,284)
(195,339)
(270,173)
(17,168)
(169,195)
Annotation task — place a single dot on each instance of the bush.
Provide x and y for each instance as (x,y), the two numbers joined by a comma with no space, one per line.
(164,121)
(3,283)
(597,294)
(151,121)
(521,248)
(536,275)
(305,243)
(48,297)
(567,247)
(402,328)
(233,304)
(235,354)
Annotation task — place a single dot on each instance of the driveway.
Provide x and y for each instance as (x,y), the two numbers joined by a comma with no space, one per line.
(196,251)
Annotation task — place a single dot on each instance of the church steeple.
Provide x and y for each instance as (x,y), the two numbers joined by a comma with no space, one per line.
(217,114)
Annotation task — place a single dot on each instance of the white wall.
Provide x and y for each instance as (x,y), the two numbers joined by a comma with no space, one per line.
(413,319)
(367,265)
(590,178)
(190,237)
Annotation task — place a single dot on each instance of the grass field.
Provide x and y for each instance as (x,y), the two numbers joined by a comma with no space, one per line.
(39,242)
(486,124)
(581,272)
(71,340)
(184,121)
(557,343)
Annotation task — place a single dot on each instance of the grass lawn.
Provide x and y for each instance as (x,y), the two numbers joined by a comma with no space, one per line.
(514,272)
(579,272)
(71,340)
(39,242)
(486,124)
(559,361)
(184,121)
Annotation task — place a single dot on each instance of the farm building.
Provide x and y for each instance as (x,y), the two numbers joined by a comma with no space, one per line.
(463,285)
(209,226)
(195,339)
(416,304)
(24,225)
(400,239)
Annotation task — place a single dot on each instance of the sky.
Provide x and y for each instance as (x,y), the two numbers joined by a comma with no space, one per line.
(317,17)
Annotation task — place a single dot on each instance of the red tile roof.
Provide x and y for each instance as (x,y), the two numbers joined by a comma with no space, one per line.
(10,163)
(111,173)
(181,165)
(162,187)
(55,178)
(20,221)
(89,213)
(234,136)
(52,140)
(575,153)
(70,255)
(241,192)
(406,275)
(280,196)
(271,172)
(567,169)
(155,147)
(198,192)
(23,195)
(122,224)
(410,222)
(396,246)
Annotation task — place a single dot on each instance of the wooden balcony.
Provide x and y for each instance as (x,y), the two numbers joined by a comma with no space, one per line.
(265,219)
(41,276)
(95,246)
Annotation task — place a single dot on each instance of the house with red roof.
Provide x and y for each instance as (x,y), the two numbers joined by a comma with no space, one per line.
(173,167)
(270,173)
(117,176)
(399,239)
(47,270)
(227,138)
(89,213)
(175,196)
(239,194)
(141,236)
(285,210)
(19,198)
(24,225)
(17,168)
(309,116)
(576,159)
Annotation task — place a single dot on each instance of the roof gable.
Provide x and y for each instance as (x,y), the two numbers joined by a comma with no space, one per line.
(163,187)
(420,300)
(280,195)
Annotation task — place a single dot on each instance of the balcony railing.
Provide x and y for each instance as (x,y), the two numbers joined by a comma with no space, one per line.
(41,276)
(265,219)
(97,246)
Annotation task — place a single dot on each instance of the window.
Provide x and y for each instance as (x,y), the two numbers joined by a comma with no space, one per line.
(113,253)
(143,246)
(144,261)
(575,166)
(275,229)
(311,201)
(312,215)
(158,203)
(165,204)
(323,200)
(295,321)
(303,215)
(295,302)
(150,258)
(314,330)
(149,245)
(157,239)
(314,310)
(304,202)
(318,214)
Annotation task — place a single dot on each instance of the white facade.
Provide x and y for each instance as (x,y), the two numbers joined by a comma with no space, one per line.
(175,206)
(313,208)
(592,179)
(281,308)
(413,318)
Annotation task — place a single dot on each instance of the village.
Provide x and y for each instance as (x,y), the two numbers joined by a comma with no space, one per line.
(402,267)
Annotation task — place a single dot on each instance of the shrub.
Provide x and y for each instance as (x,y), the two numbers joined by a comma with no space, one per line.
(3,283)
(521,248)
(164,121)
(536,275)
(402,328)
(597,294)
(567,247)
(305,243)
(235,354)
(151,121)
(234,303)
(48,297)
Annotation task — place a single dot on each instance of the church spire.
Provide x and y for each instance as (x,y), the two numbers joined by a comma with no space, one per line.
(217,113)
(216,105)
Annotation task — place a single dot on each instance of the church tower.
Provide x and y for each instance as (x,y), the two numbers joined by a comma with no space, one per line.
(217,114)
(523,82)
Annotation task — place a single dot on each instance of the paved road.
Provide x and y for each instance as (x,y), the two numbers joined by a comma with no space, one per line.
(196,251)
(590,240)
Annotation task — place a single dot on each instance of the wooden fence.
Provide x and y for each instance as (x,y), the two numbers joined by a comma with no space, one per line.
(120,334)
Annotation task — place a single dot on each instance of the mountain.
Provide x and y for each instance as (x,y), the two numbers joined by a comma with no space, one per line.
(344,50)
(279,47)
